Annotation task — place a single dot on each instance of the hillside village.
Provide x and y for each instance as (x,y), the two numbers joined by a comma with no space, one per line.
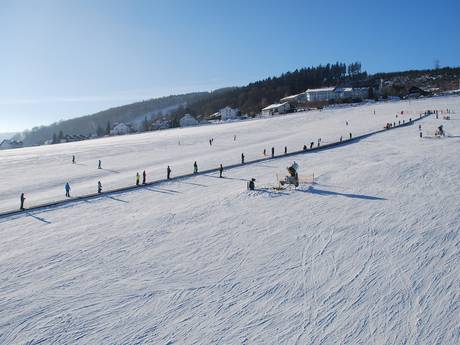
(353,87)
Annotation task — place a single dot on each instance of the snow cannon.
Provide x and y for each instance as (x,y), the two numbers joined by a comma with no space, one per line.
(293,177)
(439,132)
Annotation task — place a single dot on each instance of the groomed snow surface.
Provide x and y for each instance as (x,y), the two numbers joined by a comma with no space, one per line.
(369,254)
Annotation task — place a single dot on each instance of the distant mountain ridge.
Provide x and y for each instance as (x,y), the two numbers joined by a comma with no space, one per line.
(131,113)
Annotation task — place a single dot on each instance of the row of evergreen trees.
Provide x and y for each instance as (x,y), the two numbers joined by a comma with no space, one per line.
(252,98)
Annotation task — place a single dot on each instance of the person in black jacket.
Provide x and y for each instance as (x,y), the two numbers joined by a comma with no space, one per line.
(221,170)
(242,158)
(168,172)
(23,199)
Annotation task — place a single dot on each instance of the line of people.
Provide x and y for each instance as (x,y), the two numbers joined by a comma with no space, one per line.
(195,164)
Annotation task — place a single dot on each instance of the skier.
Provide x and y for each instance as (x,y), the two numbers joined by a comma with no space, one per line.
(251,184)
(265,152)
(210,142)
(100,164)
(138,178)
(311,144)
(285,150)
(341,138)
(195,168)
(234,138)
(67,190)
(168,172)
(23,199)
(144,178)
(319,142)
(242,158)
(73,159)
(221,170)
(346,123)
(351,136)
(99,187)
(273,152)
(305,147)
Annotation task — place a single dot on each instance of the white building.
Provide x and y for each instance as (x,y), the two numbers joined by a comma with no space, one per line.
(328,93)
(350,92)
(300,97)
(10,144)
(277,108)
(120,129)
(229,113)
(188,120)
(322,94)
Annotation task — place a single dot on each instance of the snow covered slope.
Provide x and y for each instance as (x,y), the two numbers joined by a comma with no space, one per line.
(367,255)
(41,172)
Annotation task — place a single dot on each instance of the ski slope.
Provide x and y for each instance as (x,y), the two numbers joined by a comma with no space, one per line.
(41,172)
(369,254)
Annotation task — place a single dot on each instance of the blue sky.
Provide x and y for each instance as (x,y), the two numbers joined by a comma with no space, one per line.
(62,59)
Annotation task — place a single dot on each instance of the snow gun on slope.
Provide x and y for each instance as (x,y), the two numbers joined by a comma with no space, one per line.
(293,176)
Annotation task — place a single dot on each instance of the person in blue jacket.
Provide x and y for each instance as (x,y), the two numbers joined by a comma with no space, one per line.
(67,190)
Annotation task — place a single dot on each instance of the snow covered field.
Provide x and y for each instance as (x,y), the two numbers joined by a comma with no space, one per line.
(370,254)
(41,172)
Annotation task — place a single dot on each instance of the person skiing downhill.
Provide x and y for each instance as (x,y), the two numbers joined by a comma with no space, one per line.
(221,170)
(144,177)
(23,199)
(67,190)
(100,164)
(99,187)
(168,172)
(138,178)
(195,168)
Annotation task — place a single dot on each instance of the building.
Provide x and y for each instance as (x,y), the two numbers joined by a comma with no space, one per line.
(188,120)
(294,99)
(10,144)
(351,92)
(229,113)
(333,93)
(120,129)
(161,124)
(322,94)
(277,108)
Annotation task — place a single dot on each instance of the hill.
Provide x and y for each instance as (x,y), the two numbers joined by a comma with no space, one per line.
(97,123)
(250,99)
(366,254)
